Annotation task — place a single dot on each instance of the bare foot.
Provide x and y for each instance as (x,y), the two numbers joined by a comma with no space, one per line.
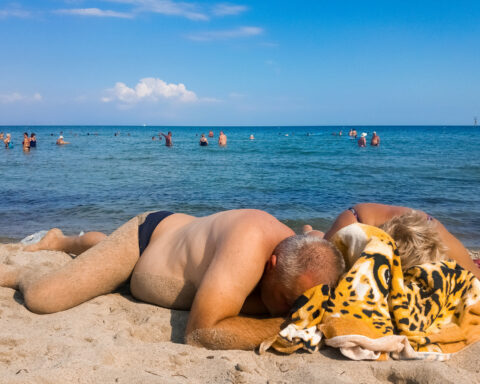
(51,242)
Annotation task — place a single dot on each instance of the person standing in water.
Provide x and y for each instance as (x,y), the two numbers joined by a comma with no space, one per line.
(375,142)
(210,134)
(362,142)
(168,139)
(26,142)
(222,139)
(7,141)
(203,140)
(61,141)
(33,140)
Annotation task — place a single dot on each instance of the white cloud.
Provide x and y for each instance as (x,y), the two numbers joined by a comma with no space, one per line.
(166,7)
(236,95)
(94,12)
(226,9)
(17,97)
(14,12)
(149,89)
(226,34)
(189,10)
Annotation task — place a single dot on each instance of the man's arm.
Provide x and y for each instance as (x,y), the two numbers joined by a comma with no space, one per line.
(237,267)
(237,332)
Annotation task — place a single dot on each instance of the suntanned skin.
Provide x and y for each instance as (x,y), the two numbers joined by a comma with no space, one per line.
(61,142)
(378,214)
(375,142)
(222,139)
(7,140)
(210,264)
(362,142)
(168,139)
(26,142)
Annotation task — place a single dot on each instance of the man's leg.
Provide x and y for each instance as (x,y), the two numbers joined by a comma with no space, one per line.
(55,240)
(99,270)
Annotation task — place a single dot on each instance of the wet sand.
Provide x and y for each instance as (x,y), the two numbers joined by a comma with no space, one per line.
(116,339)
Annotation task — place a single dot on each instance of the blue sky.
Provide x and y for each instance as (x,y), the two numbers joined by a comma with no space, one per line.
(166,62)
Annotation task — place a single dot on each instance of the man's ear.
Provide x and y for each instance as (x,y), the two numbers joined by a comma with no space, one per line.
(271,263)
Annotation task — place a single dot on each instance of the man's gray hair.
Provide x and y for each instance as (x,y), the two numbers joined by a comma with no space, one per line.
(300,254)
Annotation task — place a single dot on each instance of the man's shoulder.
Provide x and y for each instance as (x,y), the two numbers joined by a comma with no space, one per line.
(253,215)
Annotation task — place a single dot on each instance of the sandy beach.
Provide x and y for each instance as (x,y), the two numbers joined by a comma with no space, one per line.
(116,339)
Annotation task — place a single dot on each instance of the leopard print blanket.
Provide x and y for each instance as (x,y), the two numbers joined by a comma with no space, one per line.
(376,311)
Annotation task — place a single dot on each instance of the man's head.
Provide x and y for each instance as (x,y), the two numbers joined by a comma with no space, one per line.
(298,263)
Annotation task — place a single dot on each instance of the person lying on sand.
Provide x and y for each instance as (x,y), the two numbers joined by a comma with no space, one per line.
(240,261)
(419,237)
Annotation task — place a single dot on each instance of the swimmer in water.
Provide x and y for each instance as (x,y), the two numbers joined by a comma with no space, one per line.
(203,140)
(222,139)
(252,137)
(375,142)
(7,141)
(210,134)
(26,142)
(61,141)
(168,139)
(362,142)
(33,140)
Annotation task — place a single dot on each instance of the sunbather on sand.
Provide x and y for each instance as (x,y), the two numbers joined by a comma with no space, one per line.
(232,262)
(419,237)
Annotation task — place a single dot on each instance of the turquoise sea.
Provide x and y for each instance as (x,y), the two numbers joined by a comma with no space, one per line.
(100,180)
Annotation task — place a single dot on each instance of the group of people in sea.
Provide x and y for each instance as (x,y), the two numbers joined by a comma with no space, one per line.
(31,141)
(222,138)
(362,141)
(27,143)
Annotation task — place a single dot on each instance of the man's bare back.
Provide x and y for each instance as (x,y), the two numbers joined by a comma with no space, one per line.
(182,248)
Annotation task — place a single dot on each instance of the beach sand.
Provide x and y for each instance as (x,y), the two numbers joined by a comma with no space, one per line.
(116,339)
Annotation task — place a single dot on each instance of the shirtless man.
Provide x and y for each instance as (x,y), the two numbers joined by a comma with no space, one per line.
(232,262)
(222,139)
(168,139)
(375,142)
(380,214)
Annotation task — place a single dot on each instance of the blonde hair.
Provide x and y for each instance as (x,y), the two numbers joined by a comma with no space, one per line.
(417,239)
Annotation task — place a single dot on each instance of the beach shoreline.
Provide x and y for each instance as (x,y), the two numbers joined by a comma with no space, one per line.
(116,339)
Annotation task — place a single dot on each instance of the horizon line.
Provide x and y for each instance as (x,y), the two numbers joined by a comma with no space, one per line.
(240,126)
